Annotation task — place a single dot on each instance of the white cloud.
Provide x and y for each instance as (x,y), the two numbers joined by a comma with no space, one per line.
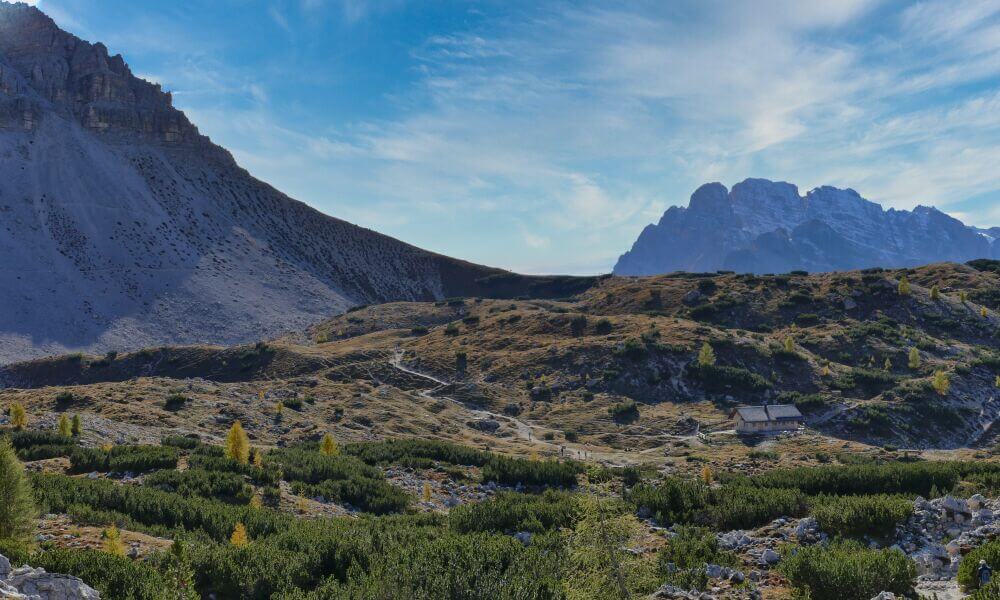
(582,122)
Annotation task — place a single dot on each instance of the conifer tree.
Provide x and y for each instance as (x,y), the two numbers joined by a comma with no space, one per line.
(997,382)
(706,356)
(258,458)
(963,297)
(18,416)
(904,286)
(826,371)
(279,410)
(113,543)
(935,293)
(888,364)
(239,537)
(256,501)
(983,312)
(17,505)
(177,573)
(65,427)
(427,492)
(914,359)
(328,446)
(706,475)
(77,426)
(789,344)
(238,444)
(940,383)
(595,555)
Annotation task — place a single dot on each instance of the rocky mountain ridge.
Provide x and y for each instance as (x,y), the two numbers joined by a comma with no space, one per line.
(762,226)
(122,226)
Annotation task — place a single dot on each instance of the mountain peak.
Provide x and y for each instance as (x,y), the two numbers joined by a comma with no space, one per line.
(761,225)
(60,73)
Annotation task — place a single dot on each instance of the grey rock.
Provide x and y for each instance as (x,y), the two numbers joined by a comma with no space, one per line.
(769,557)
(26,583)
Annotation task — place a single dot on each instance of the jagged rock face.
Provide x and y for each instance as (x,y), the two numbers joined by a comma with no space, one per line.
(26,583)
(762,226)
(122,227)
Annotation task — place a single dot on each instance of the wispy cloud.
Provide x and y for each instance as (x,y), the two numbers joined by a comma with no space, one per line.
(546,135)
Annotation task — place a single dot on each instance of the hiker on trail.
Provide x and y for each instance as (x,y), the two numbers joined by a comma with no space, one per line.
(984,573)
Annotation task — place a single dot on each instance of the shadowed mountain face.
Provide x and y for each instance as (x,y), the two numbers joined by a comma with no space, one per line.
(762,226)
(122,226)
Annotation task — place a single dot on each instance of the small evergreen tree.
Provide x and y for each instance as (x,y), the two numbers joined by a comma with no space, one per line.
(904,286)
(789,344)
(596,557)
(238,444)
(935,293)
(427,492)
(983,312)
(940,383)
(706,356)
(65,427)
(963,297)
(18,416)
(239,537)
(888,364)
(177,573)
(113,543)
(258,458)
(279,410)
(17,506)
(914,359)
(706,475)
(256,501)
(461,362)
(77,426)
(328,446)
(825,372)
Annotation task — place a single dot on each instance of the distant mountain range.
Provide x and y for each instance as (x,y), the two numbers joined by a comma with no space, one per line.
(121,226)
(763,226)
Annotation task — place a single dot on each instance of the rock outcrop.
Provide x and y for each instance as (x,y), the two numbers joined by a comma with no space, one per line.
(763,226)
(26,583)
(122,226)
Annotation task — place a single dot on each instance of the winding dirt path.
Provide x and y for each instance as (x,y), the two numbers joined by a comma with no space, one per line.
(523,430)
(527,432)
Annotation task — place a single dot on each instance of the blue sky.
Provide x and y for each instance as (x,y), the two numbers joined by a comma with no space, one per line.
(542,136)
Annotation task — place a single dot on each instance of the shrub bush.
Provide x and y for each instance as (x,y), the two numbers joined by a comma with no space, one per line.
(228,487)
(745,507)
(674,500)
(513,471)
(120,459)
(510,512)
(113,576)
(626,410)
(402,450)
(848,571)
(206,459)
(339,478)
(861,515)
(722,378)
(682,561)
(891,478)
